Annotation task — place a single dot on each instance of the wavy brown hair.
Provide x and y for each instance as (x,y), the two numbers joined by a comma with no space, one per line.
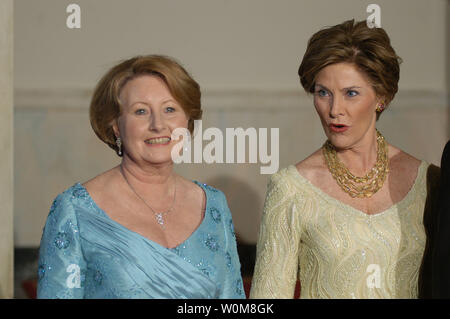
(105,105)
(353,42)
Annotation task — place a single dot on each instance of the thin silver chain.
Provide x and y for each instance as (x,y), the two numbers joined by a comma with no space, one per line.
(158,216)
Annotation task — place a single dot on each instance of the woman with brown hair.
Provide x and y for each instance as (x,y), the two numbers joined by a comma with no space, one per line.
(140,230)
(347,221)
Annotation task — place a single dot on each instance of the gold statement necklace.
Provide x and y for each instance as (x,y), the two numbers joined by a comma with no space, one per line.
(359,187)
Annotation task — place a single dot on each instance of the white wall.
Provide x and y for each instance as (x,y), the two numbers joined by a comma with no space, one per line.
(244,54)
(227,44)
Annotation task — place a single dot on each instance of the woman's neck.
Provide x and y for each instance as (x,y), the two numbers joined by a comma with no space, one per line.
(147,175)
(362,156)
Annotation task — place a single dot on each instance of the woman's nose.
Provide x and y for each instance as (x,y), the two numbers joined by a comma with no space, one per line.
(336,107)
(156,122)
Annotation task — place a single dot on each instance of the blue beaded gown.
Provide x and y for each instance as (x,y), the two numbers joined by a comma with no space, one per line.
(86,254)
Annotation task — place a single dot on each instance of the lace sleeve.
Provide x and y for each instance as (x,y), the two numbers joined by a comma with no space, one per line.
(276,266)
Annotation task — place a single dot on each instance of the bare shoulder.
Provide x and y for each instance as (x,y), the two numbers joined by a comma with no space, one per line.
(189,188)
(99,183)
(312,166)
(402,161)
(191,194)
(403,170)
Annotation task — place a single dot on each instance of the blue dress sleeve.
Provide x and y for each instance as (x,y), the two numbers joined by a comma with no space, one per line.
(62,266)
(233,286)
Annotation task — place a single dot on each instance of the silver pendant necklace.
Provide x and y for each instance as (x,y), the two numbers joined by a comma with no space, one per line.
(158,216)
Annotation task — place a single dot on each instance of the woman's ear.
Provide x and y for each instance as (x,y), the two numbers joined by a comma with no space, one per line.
(115,127)
(380,104)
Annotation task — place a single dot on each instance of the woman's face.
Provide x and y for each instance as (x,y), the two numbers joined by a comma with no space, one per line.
(346,103)
(149,115)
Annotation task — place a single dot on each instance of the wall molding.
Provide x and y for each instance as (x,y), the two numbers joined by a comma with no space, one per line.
(64,100)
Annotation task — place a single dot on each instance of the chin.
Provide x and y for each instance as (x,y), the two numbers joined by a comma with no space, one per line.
(339,141)
(158,160)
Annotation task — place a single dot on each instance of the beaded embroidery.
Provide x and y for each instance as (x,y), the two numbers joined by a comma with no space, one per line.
(215,214)
(62,240)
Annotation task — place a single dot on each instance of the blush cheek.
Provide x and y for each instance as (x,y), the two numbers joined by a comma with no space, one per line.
(323,118)
(320,109)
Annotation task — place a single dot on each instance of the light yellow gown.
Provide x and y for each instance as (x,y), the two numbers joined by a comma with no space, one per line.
(335,250)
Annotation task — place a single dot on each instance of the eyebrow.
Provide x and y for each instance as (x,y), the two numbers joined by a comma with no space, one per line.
(164,101)
(343,89)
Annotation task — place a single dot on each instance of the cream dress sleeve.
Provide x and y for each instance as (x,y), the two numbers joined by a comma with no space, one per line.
(276,268)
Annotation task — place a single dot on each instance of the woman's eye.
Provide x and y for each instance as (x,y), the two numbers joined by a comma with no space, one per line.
(321,92)
(170,109)
(140,111)
(352,93)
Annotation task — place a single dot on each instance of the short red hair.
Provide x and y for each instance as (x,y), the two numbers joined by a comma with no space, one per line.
(105,104)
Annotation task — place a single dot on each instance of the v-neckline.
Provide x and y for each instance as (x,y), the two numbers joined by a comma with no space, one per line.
(196,230)
(346,206)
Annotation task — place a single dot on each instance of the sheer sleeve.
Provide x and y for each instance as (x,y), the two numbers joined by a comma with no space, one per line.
(233,286)
(276,268)
(62,266)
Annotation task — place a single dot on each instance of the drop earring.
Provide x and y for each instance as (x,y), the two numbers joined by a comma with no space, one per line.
(119,146)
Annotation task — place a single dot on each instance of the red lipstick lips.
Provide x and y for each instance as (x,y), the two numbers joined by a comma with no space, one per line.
(338,128)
